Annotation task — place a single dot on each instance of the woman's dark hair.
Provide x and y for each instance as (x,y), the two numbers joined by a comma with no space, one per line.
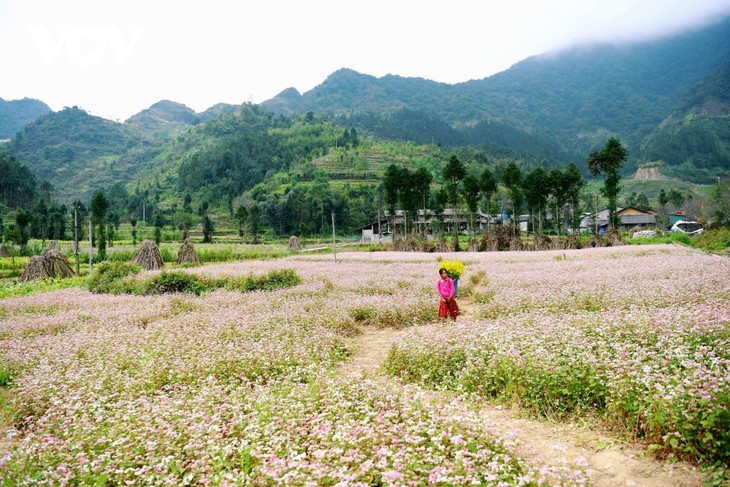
(443,269)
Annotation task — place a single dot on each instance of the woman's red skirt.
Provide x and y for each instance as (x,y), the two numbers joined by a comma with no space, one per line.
(448,307)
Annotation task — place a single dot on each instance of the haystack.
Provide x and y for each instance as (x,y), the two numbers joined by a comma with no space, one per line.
(572,242)
(543,242)
(187,254)
(148,256)
(614,237)
(294,244)
(515,243)
(34,270)
(57,264)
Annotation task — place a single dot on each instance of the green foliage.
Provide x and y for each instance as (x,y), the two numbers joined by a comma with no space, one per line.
(17,182)
(15,288)
(120,277)
(96,151)
(275,279)
(174,282)
(712,240)
(109,277)
(6,376)
(681,238)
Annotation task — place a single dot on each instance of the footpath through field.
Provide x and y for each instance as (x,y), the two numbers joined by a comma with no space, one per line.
(611,462)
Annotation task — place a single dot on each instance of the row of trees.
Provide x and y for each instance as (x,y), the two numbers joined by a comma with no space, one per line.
(462,189)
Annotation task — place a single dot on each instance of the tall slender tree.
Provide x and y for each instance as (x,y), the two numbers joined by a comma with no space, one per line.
(608,162)
(537,190)
(574,183)
(453,172)
(512,179)
(98,207)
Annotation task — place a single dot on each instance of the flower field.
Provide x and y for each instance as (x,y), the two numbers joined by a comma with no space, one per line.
(231,388)
(638,339)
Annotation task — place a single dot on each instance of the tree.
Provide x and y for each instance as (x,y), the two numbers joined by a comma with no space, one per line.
(421,183)
(472,190)
(453,172)
(608,162)
(133,224)
(488,187)
(662,217)
(18,234)
(241,216)
(207,229)
(512,179)
(574,182)
(254,220)
(537,189)
(98,207)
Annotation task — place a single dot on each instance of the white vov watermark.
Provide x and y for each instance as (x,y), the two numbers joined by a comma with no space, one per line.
(86,45)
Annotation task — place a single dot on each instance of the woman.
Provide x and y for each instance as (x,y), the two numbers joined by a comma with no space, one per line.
(447,303)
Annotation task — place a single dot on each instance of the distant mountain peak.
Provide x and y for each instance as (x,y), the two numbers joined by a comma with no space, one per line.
(16,114)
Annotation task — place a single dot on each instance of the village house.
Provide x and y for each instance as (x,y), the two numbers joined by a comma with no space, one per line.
(629,217)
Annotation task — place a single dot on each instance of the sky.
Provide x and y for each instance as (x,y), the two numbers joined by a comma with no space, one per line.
(114,58)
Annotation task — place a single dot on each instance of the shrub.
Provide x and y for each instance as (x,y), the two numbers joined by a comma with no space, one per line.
(108,277)
(275,279)
(175,282)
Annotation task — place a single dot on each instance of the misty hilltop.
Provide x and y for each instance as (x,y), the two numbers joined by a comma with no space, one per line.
(667,100)
(560,105)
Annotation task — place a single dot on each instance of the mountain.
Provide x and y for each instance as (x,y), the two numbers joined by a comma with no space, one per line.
(78,153)
(16,114)
(695,138)
(164,115)
(167,116)
(560,105)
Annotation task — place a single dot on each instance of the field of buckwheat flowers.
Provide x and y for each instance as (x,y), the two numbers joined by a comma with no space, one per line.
(231,388)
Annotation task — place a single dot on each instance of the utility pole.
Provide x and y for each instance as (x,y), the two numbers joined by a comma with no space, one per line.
(91,245)
(334,240)
(378,224)
(76,237)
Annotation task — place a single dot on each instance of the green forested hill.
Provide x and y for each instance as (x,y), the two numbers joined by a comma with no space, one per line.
(16,114)
(77,152)
(694,140)
(558,105)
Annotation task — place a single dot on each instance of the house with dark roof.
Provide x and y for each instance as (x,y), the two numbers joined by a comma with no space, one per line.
(629,217)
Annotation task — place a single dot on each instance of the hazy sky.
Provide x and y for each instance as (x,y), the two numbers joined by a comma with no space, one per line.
(115,58)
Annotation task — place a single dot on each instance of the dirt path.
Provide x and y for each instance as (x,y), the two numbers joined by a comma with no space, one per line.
(610,462)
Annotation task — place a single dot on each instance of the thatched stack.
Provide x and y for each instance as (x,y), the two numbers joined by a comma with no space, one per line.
(294,244)
(57,264)
(614,237)
(34,270)
(489,242)
(51,263)
(148,256)
(598,241)
(543,242)
(516,244)
(572,242)
(187,254)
